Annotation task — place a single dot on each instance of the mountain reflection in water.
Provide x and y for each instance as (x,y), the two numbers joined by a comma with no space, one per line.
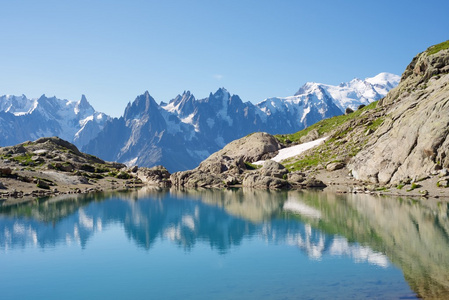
(410,234)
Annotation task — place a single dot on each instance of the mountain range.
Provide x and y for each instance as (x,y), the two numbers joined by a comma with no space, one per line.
(23,119)
(185,131)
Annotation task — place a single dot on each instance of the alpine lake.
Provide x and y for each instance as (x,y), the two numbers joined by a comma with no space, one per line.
(224,244)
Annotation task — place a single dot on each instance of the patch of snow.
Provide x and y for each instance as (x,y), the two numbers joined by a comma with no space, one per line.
(294,150)
(83,122)
(188,119)
(171,107)
(306,111)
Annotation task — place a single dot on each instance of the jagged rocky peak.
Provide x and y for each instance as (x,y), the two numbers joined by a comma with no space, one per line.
(184,97)
(183,105)
(143,104)
(83,105)
(235,100)
(47,105)
(221,94)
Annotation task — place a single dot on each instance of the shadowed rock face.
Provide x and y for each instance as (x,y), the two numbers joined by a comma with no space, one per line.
(413,140)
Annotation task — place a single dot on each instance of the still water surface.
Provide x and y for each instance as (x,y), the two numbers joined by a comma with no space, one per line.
(237,244)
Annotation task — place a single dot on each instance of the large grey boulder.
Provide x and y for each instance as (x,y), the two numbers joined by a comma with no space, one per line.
(296,177)
(251,148)
(273,169)
(157,175)
(257,180)
(196,179)
(270,176)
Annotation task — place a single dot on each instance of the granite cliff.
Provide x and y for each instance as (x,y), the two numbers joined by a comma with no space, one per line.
(413,140)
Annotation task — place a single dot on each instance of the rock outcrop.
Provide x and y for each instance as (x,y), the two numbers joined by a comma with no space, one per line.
(51,166)
(232,166)
(272,175)
(157,175)
(225,167)
(413,140)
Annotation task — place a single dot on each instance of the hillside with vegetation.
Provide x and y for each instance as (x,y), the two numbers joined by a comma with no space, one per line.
(401,139)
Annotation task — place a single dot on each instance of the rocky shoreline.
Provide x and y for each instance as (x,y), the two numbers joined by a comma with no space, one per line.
(45,175)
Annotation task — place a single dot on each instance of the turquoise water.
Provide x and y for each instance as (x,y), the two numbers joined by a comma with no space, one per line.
(241,244)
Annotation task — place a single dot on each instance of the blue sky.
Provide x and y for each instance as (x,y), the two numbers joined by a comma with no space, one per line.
(112,51)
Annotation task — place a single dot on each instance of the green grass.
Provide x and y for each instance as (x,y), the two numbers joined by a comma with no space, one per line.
(413,186)
(250,166)
(25,160)
(101,169)
(326,152)
(123,175)
(326,125)
(112,173)
(376,123)
(437,48)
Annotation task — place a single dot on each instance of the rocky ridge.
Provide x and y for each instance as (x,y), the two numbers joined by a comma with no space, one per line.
(52,166)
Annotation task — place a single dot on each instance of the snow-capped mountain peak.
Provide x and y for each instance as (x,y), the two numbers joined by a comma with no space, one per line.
(83,106)
(307,88)
(353,93)
(76,122)
(384,79)
(17,105)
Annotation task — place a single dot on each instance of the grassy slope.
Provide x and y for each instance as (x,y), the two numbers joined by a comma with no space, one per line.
(437,48)
(347,135)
